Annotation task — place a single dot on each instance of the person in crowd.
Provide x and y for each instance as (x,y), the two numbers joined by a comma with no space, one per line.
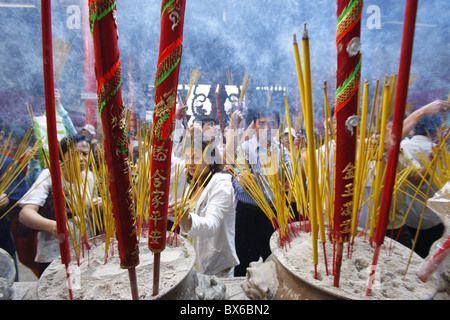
(421,145)
(89,131)
(15,189)
(37,210)
(435,107)
(210,218)
(209,128)
(397,229)
(183,133)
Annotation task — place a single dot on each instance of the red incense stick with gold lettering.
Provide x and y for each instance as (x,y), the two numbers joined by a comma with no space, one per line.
(50,109)
(166,83)
(348,76)
(102,17)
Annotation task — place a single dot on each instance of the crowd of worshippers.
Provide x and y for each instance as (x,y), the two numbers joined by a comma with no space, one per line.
(225,225)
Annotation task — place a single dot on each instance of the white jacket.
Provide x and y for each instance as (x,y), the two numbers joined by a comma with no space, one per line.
(213,226)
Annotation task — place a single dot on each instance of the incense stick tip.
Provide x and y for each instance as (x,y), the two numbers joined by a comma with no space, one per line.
(305,31)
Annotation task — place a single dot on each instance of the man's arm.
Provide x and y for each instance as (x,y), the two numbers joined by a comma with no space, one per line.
(435,107)
(30,217)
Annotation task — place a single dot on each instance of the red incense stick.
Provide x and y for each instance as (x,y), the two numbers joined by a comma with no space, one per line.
(53,144)
(166,83)
(218,109)
(348,76)
(102,15)
(396,134)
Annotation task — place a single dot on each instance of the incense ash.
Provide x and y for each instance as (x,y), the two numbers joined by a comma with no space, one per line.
(390,280)
(94,279)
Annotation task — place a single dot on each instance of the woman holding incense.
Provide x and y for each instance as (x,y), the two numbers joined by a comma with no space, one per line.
(210,218)
(37,211)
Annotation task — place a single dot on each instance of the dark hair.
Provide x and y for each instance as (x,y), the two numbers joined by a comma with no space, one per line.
(428,125)
(211,147)
(70,140)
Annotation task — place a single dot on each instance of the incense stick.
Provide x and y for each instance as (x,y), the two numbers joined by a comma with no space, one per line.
(194,75)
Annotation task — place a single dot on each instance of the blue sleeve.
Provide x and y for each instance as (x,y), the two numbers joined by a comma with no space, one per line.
(17,188)
(67,121)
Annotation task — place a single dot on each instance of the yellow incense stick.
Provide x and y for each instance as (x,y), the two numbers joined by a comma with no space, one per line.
(311,144)
(359,188)
(380,158)
(17,166)
(299,71)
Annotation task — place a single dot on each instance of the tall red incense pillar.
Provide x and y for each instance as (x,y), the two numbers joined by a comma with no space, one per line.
(166,83)
(396,133)
(53,144)
(102,15)
(348,76)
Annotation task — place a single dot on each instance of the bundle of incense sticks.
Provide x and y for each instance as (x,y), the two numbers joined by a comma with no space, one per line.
(77,195)
(244,87)
(17,170)
(295,175)
(431,166)
(276,208)
(194,75)
(369,155)
(182,197)
(370,169)
(102,215)
(61,50)
(140,173)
